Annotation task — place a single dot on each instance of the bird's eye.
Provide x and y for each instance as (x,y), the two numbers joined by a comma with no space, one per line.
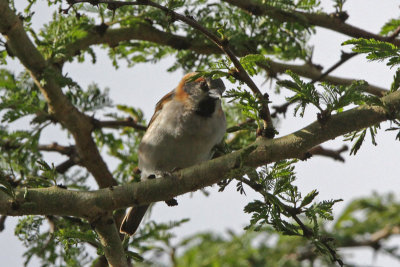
(204,86)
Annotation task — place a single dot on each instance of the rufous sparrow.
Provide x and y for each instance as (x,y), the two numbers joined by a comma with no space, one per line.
(187,123)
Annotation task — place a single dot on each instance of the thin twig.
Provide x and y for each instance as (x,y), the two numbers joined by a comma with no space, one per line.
(344,57)
(281,109)
(335,154)
(119,123)
(55,147)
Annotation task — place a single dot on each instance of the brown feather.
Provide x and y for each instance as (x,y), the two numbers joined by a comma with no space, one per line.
(179,93)
(168,97)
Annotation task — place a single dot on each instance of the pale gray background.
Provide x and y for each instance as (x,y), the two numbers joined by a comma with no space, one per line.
(373,169)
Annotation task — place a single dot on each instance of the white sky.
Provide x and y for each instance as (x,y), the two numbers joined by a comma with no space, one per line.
(373,169)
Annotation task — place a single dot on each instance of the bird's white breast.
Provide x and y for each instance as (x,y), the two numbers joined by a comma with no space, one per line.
(179,138)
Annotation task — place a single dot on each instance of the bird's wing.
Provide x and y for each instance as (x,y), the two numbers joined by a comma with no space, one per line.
(168,97)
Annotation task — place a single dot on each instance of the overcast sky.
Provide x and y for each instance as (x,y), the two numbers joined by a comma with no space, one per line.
(373,169)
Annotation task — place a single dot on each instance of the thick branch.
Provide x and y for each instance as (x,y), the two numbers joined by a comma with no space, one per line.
(321,20)
(46,78)
(139,31)
(92,205)
(111,243)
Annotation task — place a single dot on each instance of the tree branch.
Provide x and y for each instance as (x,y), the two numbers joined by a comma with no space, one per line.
(334,154)
(92,205)
(140,31)
(54,147)
(344,57)
(119,123)
(110,241)
(65,166)
(374,239)
(326,21)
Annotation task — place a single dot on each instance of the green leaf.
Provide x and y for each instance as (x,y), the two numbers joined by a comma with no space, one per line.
(390,26)
(376,50)
(309,198)
(358,143)
(396,81)
(135,256)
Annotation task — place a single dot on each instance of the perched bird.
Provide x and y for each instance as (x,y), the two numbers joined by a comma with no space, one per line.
(187,123)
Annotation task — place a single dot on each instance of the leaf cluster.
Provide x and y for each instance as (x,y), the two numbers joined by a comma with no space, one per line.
(246,101)
(376,50)
(53,40)
(379,51)
(360,137)
(332,98)
(123,144)
(60,245)
(390,26)
(285,209)
(155,240)
(361,220)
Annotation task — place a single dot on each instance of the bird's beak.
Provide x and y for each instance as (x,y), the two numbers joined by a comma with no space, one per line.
(215,93)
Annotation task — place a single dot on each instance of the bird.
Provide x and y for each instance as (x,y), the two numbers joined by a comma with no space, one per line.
(187,123)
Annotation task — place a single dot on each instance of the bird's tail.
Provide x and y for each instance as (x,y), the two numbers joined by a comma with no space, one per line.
(132,219)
